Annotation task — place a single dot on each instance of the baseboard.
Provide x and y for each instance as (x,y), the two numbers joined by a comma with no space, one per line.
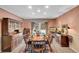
(74,50)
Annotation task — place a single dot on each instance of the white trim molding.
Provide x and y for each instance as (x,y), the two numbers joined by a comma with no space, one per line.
(74,50)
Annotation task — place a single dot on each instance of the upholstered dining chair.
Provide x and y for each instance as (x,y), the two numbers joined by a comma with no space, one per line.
(38,46)
(50,40)
(26,33)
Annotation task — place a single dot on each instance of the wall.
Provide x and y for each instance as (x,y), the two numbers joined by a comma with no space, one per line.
(6,14)
(72,19)
(26,24)
(52,23)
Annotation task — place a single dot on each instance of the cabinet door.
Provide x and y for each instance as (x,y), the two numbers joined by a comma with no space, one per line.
(4,26)
(6,39)
(64,41)
(6,43)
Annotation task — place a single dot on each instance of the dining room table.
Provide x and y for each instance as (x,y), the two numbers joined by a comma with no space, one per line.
(38,44)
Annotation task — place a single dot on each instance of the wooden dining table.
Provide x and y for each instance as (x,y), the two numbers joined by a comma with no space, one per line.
(38,43)
(38,38)
(35,42)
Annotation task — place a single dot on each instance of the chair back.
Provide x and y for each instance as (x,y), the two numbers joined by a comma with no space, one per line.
(38,45)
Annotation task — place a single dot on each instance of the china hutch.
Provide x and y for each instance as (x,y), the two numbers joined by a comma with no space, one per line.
(7,26)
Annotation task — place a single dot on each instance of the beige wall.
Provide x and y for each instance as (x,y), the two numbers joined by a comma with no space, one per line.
(52,23)
(72,19)
(6,14)
(26,24)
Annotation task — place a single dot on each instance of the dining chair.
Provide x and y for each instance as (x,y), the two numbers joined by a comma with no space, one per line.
(38,46)
(50,40)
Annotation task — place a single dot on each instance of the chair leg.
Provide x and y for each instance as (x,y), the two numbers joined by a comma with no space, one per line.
(50,48)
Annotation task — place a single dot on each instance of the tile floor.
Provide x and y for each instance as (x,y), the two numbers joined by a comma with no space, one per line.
(58,49)
(55,46)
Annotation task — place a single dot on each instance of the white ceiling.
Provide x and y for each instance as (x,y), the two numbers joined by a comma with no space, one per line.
(37,11)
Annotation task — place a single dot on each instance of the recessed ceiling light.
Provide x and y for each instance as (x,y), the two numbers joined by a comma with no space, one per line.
(30,7)
(33,13)
(38,10)
(46,6)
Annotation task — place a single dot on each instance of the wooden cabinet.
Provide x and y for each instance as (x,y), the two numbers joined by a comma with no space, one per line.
(6,43)
(6,39)
(7,25)
(64,41)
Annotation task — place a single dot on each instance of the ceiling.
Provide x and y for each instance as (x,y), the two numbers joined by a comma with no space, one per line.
(37,11)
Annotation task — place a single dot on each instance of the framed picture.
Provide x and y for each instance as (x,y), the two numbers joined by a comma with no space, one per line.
(53,29)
